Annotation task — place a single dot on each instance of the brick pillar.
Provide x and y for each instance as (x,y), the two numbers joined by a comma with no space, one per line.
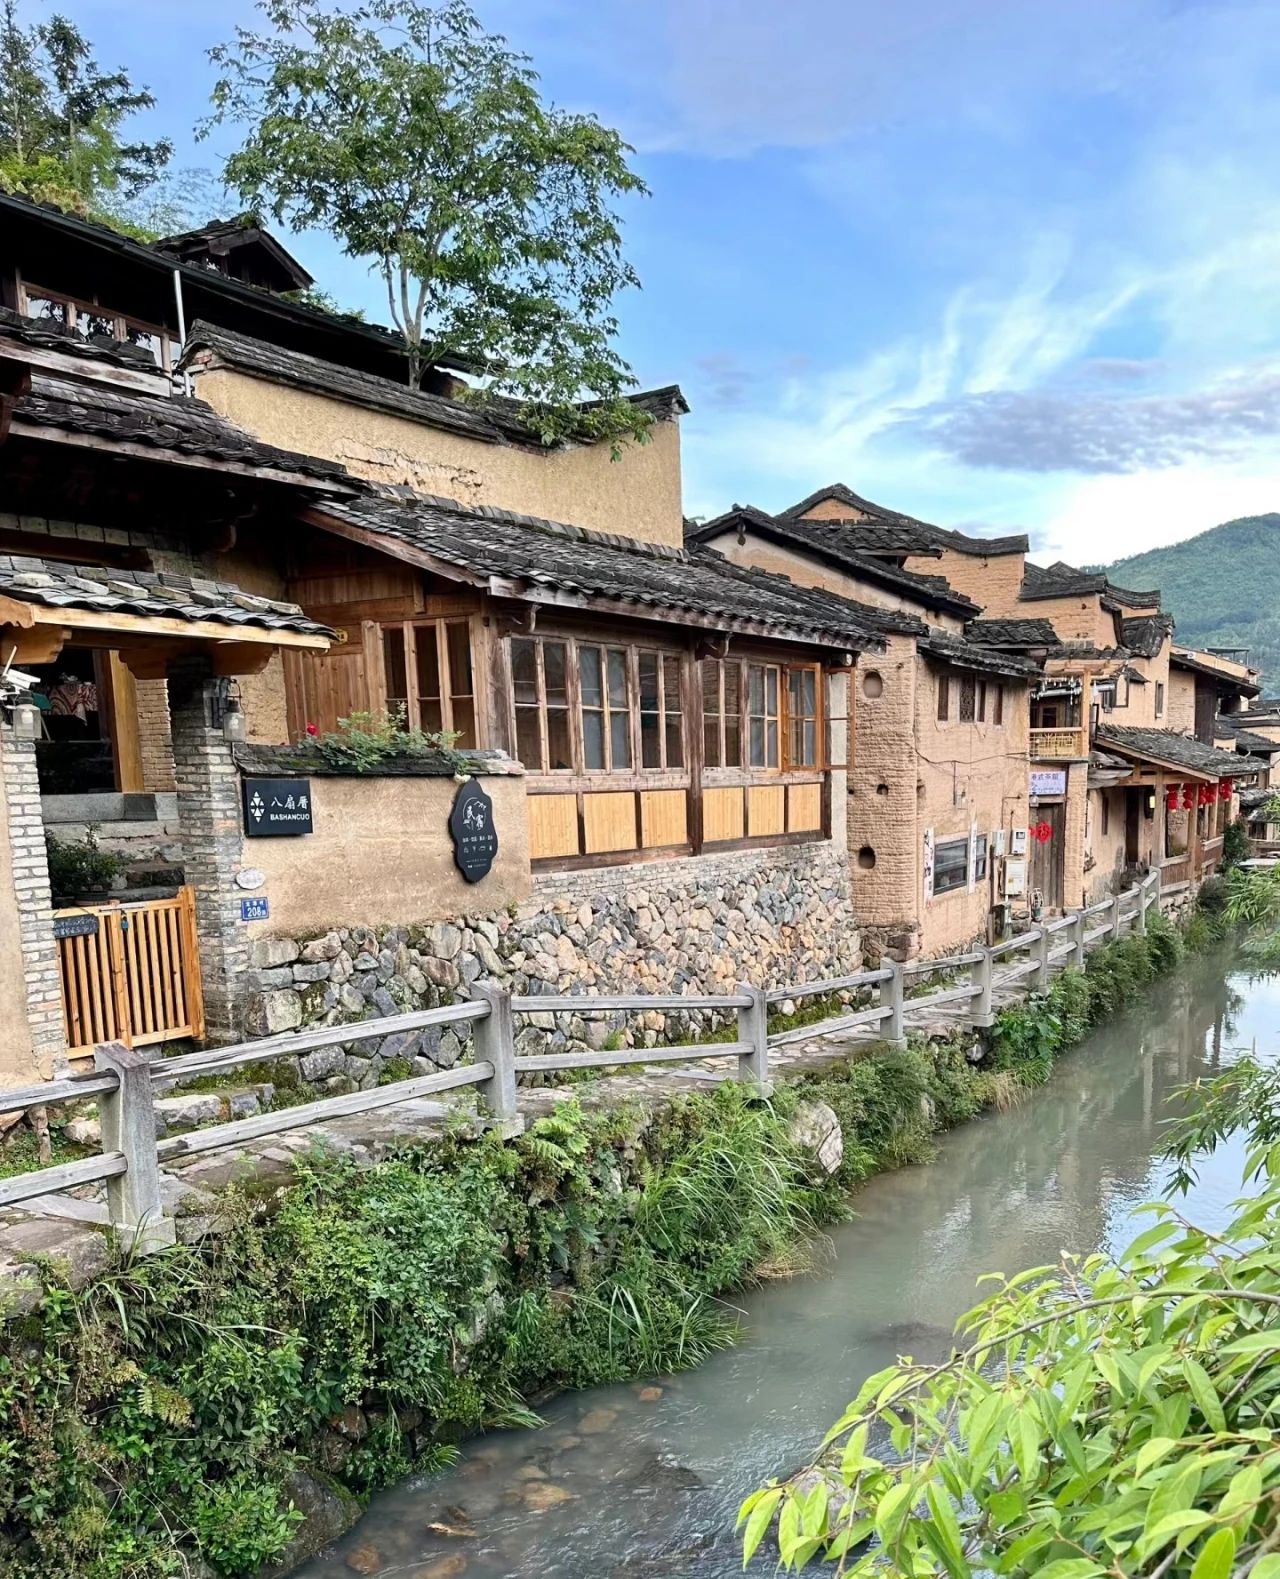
(208,787)
(155,739)
(45,1037)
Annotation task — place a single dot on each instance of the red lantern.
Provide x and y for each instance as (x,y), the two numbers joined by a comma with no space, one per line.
(1188,796)
(1227,789)
(1171,797)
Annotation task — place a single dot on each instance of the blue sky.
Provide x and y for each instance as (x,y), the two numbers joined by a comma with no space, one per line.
(1005,264)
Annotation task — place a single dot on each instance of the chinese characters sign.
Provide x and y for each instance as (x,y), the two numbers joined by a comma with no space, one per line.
(276,808)
(475,839)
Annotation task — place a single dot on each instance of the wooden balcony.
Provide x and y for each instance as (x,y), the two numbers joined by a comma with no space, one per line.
(1059,745)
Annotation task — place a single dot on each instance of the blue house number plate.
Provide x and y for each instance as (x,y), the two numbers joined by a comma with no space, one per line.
(255,909)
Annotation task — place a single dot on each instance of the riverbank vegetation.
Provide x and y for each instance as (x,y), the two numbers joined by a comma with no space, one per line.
(360,1322)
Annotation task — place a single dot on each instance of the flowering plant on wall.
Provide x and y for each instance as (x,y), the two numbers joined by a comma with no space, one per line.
(364,740)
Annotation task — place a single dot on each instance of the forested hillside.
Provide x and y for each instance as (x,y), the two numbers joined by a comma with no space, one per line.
(1222,587)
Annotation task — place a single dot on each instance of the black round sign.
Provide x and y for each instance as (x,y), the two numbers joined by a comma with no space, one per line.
(475,839)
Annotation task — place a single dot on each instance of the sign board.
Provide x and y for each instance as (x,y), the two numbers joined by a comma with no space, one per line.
(475,839)
(75,926)
(1015,878)
(276,808)
(1048,781)
(1017,841)
(255,909)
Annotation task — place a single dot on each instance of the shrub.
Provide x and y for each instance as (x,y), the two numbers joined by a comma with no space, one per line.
(364,740)
(80,866)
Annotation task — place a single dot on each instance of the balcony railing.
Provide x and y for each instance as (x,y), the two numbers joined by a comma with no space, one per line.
(1055,745)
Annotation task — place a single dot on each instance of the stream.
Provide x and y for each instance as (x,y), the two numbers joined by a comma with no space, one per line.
(644,1480)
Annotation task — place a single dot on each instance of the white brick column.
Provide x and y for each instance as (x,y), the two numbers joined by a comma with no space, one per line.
(29,866)
(208,786)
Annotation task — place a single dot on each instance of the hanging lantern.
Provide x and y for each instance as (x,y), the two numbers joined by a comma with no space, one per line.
(1227,789)
(1171,795)
(1188,796)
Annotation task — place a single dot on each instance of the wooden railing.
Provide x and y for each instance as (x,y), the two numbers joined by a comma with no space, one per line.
(1057,745)
(125,1080)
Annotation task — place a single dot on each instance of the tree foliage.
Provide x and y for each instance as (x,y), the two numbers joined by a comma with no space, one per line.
(1097,1418)
(62,119)
(423,144)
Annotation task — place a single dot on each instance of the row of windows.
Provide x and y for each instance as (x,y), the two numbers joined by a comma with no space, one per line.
(970,700)
(90,319)
(427,669)
(595,708)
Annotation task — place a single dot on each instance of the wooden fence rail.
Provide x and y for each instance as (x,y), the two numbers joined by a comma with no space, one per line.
(125,1080)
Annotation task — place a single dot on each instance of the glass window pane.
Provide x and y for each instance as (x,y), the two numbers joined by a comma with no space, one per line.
(810,757)
(428,662)
(430,714)
(671,684)
(732,690)
(593,739)
(617,677)
(757,743)
(650,720)
(590,676)
(675,741)
(771,692)
(394,671)
(620,736)
(650,741)
(529,738)
(47,307)
(144,339)
(555,664)
(711,742)
(649,681)
(559,749)
(755,689)
(732,742)
(524,671)
(464,721)
(93,324)
(771,743)
(458,643)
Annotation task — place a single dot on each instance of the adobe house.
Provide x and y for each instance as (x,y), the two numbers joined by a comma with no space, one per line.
(121,573)
(938,781)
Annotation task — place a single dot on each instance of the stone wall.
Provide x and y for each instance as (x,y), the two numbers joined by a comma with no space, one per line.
(768,916)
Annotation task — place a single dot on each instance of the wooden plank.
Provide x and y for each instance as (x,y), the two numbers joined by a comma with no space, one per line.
(71,1088)
(723,814)
(114,931)
(267,1124)
(121,695)
(164,625)
(804,808)
(609,821)
(67,1176)
(191,961)
(553,826)
(663,817)
(84,1001)
(766,810)
(148,918)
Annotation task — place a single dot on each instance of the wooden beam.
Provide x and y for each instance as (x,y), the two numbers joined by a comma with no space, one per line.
(40,644)
(235,657)
(110,623)
(15,381)
(392,547)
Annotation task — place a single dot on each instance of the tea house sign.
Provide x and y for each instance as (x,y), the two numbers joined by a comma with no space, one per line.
(475,839)
(276,808)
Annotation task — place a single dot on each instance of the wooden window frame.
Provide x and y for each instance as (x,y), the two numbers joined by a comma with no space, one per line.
(607,711)
(788,765)
(944,698)
(969,696)
(121,322)
(665,710)
(411,634)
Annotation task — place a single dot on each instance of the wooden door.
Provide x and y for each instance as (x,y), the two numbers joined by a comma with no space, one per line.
(1048,854)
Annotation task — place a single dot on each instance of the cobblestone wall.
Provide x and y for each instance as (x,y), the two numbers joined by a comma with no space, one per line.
(768,916)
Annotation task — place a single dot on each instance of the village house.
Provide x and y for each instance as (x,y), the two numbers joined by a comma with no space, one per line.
(937,806)
(661,734)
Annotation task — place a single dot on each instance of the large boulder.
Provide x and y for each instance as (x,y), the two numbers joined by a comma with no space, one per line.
(328,1512)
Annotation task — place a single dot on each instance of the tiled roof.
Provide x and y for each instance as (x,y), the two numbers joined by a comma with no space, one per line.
(962,654)
(167,424)
(1183,658)
(494,422)
(1145,634)
(828,541)
(889,531)
(225,235)
(146,593)
(1061,580)
(47,334)
(1012,633)
(646,580)
(1245,739)
(1166,746)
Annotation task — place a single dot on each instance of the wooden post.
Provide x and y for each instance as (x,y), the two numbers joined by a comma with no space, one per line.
(1140,915)
(892,997)
(980,1010)
(1079,923)
(128,1120)
(494,1041)
(1117,922)
(1040,948)
(753,1028)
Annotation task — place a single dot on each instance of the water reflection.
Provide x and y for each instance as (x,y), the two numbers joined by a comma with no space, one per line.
(643,1481)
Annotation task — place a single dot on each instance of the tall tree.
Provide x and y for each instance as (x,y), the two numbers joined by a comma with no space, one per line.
(423,143)
(61,119)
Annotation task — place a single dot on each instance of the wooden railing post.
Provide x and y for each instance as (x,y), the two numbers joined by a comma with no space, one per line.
(494,1040)
(893,997)
(981,976)
(1140,914)
(1040,953)
(753,1029)
(128,1119)
(1079,923)
(1117,920)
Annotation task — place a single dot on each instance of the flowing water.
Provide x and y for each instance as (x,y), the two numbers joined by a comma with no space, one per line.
(631,1482)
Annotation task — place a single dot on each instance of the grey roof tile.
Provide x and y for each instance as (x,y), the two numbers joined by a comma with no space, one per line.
(1166,745)
(890,531)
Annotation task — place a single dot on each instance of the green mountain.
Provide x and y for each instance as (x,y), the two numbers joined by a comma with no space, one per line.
(1222,587)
